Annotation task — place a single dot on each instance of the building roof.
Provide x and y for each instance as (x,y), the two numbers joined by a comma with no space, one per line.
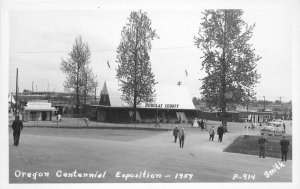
(112,90)
(39,106)
(167,97)
(11,99)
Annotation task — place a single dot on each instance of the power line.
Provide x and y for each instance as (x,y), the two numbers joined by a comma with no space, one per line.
(106,50)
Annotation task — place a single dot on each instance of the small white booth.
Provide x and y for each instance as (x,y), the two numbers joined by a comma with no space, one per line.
(38,111)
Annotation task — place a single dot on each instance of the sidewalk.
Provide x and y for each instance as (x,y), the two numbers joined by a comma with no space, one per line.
(79,123)
(74,123)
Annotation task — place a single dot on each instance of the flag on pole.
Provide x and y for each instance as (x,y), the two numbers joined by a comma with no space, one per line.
(186,73)
(108,64)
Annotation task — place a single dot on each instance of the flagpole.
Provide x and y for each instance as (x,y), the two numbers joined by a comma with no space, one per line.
(17,87)
(108,65)
(186,75)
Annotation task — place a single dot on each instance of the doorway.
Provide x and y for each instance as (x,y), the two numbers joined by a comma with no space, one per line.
(44,116)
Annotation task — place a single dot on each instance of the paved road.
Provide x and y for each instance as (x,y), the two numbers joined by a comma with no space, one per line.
(156,154)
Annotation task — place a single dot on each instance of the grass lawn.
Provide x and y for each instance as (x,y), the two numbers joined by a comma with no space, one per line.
(249,145)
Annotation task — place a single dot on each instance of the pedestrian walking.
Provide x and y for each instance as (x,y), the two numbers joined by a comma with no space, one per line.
(17,126)
(58,117)
(181,137)
(157,122)
(195,123)
(220,132)
(252,126)
(211,133)
(198,121)
(202,124)
(86,121)
(262,141)
(205,124)
(284,143)
(175,133)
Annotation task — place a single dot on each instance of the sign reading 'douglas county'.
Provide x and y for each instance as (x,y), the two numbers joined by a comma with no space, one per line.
(169,106)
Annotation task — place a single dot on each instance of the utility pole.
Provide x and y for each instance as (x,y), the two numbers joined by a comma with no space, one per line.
(280,100)
(17,87)
(264,103)
(36,88)
(95,93)
(32,86)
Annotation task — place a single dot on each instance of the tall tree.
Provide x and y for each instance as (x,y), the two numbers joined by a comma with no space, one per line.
(134,73)
(80,78)
(228,58)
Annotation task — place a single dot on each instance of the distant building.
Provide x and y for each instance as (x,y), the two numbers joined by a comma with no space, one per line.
(63,102)
(11,101)
(238,114)
(38,111)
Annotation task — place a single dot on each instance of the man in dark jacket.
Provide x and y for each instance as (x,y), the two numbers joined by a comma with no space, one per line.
(284,143)
(181,137)
(175,133)
(17,126)
(202,124)
(262,141)
(220,132)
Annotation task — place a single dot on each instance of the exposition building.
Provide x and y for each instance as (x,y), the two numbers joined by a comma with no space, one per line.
(173,104)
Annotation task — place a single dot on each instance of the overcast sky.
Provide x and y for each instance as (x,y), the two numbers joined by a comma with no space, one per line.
(39,39)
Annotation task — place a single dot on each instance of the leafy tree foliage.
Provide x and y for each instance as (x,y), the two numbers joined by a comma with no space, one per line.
(196,101)
(277,101)
(134,73)
(80,78)
(228,58)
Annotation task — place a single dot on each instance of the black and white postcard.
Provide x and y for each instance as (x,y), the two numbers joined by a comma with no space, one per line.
(163,93)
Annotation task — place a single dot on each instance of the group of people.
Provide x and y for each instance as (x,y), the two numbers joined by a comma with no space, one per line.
(220,132)
(284,143)
(252,126)
(199,123)
(179,133)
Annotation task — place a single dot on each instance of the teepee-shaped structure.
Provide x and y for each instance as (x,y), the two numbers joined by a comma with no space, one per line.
(104,97)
